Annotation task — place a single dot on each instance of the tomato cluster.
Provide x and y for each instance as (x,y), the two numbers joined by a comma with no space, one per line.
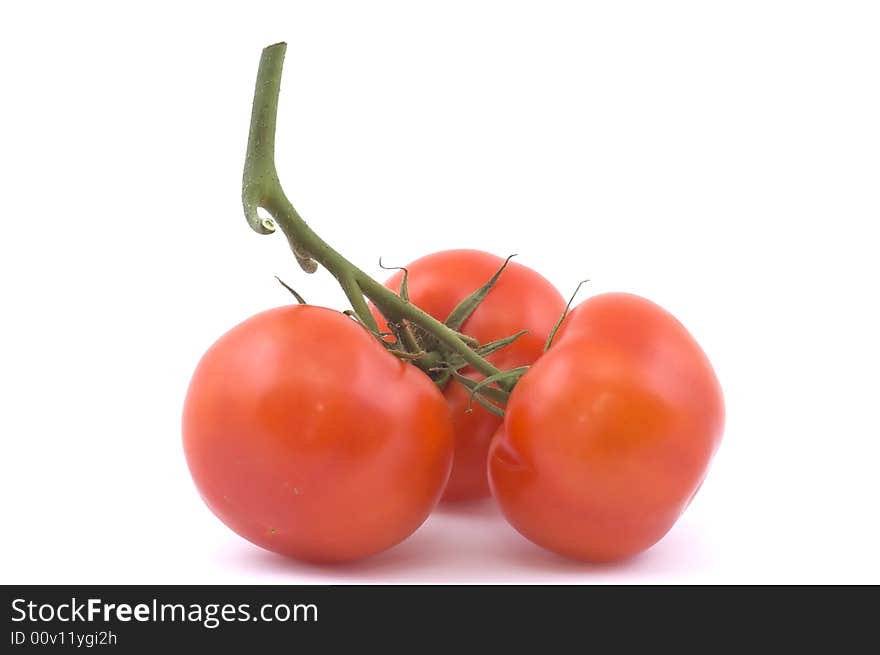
(307,436)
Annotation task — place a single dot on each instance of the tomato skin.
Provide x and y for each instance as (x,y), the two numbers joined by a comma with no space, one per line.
(520,300)
(607,438)
(307,438)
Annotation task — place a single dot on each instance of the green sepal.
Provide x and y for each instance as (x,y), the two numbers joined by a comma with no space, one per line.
(293,292)
(353,315)
(494,346)
(469,340)
(502,379)
(403,292)
(403,354)
(467,306)
(404,336)
(457,362)
(562,318)
(495,409)
(498,395)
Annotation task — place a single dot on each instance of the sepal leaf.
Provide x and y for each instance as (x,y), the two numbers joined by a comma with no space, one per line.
(467,306)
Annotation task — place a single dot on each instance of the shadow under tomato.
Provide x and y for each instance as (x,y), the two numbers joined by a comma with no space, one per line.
(413,555)
(483,509)
(470,543)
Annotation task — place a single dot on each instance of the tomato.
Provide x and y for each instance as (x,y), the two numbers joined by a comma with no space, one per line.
(306,437)
(520,300)
(608,436)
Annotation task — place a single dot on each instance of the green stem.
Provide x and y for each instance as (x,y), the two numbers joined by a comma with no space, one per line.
(261,188)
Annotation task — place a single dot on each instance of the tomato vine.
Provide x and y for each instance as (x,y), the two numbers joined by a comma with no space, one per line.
(261,189)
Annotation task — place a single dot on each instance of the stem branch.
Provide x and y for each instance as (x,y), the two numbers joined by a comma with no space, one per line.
(261,188)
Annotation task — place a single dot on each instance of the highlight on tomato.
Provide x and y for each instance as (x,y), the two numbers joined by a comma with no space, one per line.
(520,299)
(306,437)
(609,435)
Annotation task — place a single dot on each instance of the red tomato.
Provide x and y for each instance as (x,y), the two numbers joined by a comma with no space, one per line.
(608,436)
(307,438)
(520,300)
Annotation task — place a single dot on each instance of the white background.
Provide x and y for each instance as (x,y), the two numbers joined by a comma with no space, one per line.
(722,159)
